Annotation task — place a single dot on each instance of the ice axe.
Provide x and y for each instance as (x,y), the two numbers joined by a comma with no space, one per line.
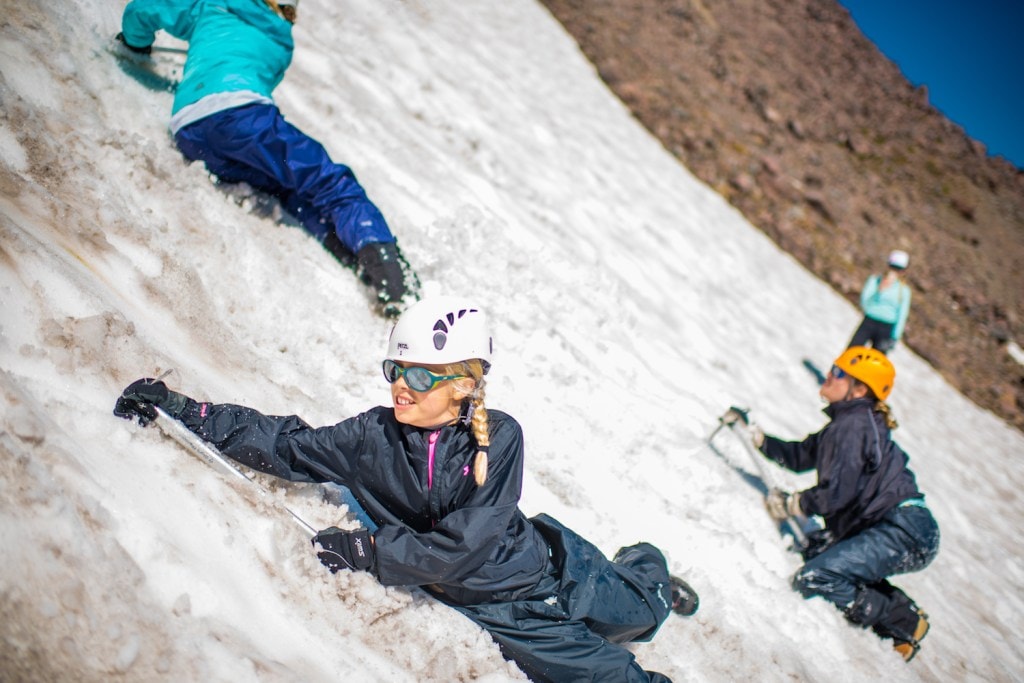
(180,433)
(767,478)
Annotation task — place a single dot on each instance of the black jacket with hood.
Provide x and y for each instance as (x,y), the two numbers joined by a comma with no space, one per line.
(439,529)
(862,472)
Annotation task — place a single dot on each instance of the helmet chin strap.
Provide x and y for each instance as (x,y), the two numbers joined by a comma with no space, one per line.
(854,385)
(468,408)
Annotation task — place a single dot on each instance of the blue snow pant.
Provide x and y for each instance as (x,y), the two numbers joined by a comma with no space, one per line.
(852,573)
(254,144)
(567,627)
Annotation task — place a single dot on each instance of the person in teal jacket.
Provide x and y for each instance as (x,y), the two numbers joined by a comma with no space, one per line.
(885,301)
(223,115)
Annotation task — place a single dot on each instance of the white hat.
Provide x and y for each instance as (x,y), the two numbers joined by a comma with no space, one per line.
(441,330)
(899,259)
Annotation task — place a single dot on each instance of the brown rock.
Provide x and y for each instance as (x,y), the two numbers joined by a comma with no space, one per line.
(888,169)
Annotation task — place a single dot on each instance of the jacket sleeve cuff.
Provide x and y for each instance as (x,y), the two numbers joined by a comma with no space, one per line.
(193,413)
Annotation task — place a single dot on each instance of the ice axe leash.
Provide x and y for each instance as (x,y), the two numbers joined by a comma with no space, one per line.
(180,433)
(713,434)
(754,480)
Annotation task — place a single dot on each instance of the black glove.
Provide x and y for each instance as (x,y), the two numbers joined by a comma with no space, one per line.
(346,549)
(818,541)
(140,50)
(138,399)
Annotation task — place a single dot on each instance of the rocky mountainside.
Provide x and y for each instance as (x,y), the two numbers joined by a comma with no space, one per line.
(789,111)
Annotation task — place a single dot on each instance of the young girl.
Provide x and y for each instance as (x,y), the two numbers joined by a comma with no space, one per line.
(885,301)
(872,507)
(440,475)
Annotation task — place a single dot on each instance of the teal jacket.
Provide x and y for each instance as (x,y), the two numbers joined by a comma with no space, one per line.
(233,44)
(889,305)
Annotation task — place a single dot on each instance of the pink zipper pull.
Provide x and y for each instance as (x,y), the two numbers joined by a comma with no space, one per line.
(430,458)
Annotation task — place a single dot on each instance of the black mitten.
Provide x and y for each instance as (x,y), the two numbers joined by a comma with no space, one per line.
(346,549)
(140,397)
(139,50)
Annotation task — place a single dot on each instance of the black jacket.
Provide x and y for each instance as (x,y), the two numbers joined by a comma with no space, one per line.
(472,542)
(862,473)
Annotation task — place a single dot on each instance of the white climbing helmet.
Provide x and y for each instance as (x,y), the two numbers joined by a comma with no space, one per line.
(440,330)
(899,259)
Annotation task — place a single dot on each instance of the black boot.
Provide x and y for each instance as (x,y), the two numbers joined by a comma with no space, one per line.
(684,599)
(903,621)
(381,266)
(890,614)
(907,631)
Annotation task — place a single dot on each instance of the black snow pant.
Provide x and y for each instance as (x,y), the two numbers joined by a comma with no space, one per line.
(876,332)
(567,628)
(852,573)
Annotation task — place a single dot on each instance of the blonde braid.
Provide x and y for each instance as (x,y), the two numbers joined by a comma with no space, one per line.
(886,411)
(481,432)
(474,370)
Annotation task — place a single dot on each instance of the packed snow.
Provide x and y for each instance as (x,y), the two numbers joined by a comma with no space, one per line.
(631,305)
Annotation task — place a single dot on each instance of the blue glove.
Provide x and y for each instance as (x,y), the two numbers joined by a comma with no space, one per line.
(346,549)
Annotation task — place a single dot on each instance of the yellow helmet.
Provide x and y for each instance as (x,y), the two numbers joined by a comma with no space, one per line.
(870,367)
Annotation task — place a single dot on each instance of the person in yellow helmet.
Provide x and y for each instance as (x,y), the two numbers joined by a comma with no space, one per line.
(876,522)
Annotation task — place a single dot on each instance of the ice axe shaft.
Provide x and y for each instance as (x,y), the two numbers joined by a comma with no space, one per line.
(180,433)
(169,50)
(767,477)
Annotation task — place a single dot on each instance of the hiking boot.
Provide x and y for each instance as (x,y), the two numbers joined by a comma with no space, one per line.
(684,599)
(909,648)
(381,266)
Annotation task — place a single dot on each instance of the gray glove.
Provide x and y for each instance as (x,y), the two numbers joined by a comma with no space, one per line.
(756,435)
(734,415)
(781,505)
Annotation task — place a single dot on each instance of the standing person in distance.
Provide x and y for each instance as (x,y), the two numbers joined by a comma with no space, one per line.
(440,475)
(875,517)
(223,115)
(885,301)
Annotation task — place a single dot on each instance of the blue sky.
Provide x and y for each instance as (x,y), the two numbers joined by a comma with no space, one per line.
(968,54)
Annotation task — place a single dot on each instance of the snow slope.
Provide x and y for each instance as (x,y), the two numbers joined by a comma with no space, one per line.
(631,306)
